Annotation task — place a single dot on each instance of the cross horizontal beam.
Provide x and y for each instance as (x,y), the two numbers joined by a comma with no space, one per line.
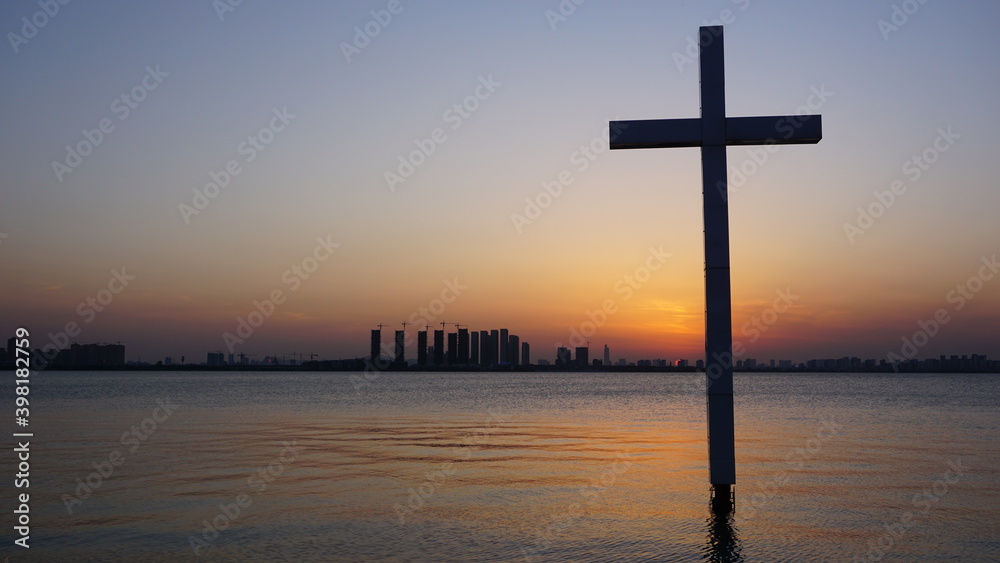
(673,133)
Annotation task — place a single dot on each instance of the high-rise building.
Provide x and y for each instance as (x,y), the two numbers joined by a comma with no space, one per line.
(474,359)
(422,347)
(439,347)
(463,346)
(525,354)
(494,347)
(215,359)
(376,344)
(107,355)
(401,347)
(563,356)
(582,356)
(452,348)
(607,355)
(514,350)
(484,348)
(504,346)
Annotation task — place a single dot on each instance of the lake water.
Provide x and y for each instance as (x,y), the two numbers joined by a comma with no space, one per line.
(219,466)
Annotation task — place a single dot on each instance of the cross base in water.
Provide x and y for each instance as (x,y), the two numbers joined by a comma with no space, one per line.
(723,499)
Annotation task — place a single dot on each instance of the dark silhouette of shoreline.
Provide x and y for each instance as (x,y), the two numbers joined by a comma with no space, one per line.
(359,366)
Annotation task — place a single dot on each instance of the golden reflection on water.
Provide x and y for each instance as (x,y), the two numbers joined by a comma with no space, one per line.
(536,483)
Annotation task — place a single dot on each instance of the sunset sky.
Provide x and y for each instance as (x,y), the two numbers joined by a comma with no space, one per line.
(313,115)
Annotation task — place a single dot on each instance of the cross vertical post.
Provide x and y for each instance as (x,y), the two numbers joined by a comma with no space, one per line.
(713,132)
(718,298)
